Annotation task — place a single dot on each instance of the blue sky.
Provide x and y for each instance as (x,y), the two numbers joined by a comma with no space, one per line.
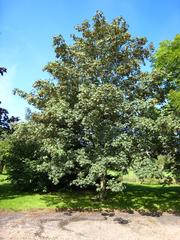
(27,28)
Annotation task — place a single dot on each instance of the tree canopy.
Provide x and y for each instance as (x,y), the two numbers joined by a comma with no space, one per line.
(97,113)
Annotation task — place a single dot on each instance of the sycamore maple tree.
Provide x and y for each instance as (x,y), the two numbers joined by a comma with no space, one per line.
(97,113)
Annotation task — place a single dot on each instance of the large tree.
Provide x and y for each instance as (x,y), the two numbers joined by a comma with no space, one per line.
(94,114)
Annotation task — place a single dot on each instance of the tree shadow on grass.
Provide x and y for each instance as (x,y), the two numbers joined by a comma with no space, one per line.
(152,198)
(135,197)
(8,191)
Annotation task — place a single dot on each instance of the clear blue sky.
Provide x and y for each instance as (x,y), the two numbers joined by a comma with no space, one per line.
(27,28)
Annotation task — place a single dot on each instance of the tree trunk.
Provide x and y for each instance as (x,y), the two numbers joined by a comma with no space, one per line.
(102,187)
(1,167)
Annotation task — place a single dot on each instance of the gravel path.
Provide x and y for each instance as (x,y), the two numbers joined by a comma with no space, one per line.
(50,225)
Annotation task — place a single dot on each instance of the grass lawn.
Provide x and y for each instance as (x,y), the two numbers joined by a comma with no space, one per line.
(135,197)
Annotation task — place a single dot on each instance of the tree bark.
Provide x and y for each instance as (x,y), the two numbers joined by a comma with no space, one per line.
(102,187)
(1,167)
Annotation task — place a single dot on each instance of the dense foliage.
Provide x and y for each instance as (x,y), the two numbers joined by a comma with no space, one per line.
(6,127)
(167,59)
(98,112)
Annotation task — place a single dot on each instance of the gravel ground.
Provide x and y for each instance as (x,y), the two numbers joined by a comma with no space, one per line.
(49,225)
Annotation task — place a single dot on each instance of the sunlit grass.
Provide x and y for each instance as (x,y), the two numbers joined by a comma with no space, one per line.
(134,197)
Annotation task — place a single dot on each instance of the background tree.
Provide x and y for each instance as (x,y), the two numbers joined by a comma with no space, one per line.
(23,157)
(6,127)
(2,70)
(5,120)
(167,59)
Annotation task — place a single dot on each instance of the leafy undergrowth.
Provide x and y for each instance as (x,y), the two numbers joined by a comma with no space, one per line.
(135,197)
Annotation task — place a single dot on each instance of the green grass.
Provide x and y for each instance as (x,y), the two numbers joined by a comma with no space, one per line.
(135,197)
(131,177)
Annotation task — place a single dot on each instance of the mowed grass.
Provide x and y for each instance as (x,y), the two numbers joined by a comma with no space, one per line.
(16,200)
(135,197)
